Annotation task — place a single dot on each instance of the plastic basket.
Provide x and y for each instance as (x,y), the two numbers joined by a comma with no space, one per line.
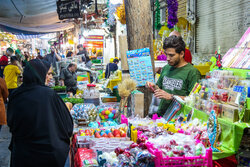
(201,161)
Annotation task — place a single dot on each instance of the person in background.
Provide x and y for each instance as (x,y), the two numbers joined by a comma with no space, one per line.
(4,60)
(39,121)
(3,97)
(177,78)
(111,67)
(39,56)
(84,55)
(11,73)
(188,56)
(27,57)
(49,76)
(53,57)
(68,78)
(69,54)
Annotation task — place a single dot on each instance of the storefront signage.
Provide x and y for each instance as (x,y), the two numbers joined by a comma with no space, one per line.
(68,9)
(94,37)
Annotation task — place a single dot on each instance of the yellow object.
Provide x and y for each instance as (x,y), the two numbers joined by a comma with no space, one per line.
(107,112)
(83,134)
(133,134)
(71,42)
(164,31)
(204,69)
(11,73)
(114,82)
(120,12)
(182,23)
(160,124)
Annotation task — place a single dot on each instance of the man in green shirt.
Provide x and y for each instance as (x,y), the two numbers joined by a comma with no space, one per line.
(178,77)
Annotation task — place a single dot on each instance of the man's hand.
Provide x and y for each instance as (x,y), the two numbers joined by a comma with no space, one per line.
(159,93)
(149,84)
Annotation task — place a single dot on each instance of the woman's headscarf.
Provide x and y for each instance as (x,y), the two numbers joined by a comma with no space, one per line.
(35,72)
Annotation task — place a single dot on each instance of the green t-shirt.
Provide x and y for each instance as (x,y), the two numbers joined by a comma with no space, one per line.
(177,81)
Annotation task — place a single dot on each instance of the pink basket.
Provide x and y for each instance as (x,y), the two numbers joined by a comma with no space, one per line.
(201,161)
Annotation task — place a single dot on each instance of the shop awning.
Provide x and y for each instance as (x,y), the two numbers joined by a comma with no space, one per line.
(31,16)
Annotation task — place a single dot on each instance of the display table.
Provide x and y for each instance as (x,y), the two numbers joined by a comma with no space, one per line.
(230,137)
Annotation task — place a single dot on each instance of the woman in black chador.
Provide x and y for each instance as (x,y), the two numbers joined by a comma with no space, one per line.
(39,121)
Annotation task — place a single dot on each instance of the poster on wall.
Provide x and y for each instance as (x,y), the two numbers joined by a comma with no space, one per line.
(94,45)
(140,66)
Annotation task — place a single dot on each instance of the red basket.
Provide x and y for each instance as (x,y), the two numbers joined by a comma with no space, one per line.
(201,161)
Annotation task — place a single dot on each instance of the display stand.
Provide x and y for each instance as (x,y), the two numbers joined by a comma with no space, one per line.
(231,133)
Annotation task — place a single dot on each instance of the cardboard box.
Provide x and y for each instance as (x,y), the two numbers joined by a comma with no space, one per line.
(137,104)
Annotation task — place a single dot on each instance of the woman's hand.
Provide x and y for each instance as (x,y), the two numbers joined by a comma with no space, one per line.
(159,93)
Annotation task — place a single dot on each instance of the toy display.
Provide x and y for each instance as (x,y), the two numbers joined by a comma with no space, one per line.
(223,93)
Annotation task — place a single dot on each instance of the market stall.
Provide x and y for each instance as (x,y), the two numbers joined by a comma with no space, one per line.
(207,128)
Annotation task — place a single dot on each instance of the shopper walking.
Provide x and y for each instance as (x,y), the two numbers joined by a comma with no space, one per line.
(178,77)
(68,78)
(4,60)
(3,97)
(11,73)
(39,121)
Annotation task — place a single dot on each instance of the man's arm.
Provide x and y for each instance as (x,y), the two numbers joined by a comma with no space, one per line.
(62,77)
(62,82)
(58,57)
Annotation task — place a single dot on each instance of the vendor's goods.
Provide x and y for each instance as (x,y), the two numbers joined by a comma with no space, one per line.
(108,112)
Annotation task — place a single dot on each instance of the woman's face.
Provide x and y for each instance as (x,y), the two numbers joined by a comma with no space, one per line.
(49,76)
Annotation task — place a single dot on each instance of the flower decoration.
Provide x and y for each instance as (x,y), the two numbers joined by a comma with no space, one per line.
(121,13)
(172,13)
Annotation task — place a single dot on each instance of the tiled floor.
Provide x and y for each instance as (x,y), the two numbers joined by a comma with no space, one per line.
(4,143)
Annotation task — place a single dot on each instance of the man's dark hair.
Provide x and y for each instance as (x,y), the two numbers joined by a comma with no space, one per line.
(71,65)
(115,61)
(174,42)
(13,59)
(79,46)
(10,50)
(69,54)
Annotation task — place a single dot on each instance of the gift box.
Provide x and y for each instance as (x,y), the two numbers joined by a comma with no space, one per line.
(229,113)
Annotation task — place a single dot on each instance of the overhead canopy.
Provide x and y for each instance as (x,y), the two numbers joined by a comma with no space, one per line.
(37,16)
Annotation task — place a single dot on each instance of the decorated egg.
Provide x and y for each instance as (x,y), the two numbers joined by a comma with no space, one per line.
(107,112)
(113,111)
(102,133)
(103,112)
(106,116)
(107,131)
(111,115)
